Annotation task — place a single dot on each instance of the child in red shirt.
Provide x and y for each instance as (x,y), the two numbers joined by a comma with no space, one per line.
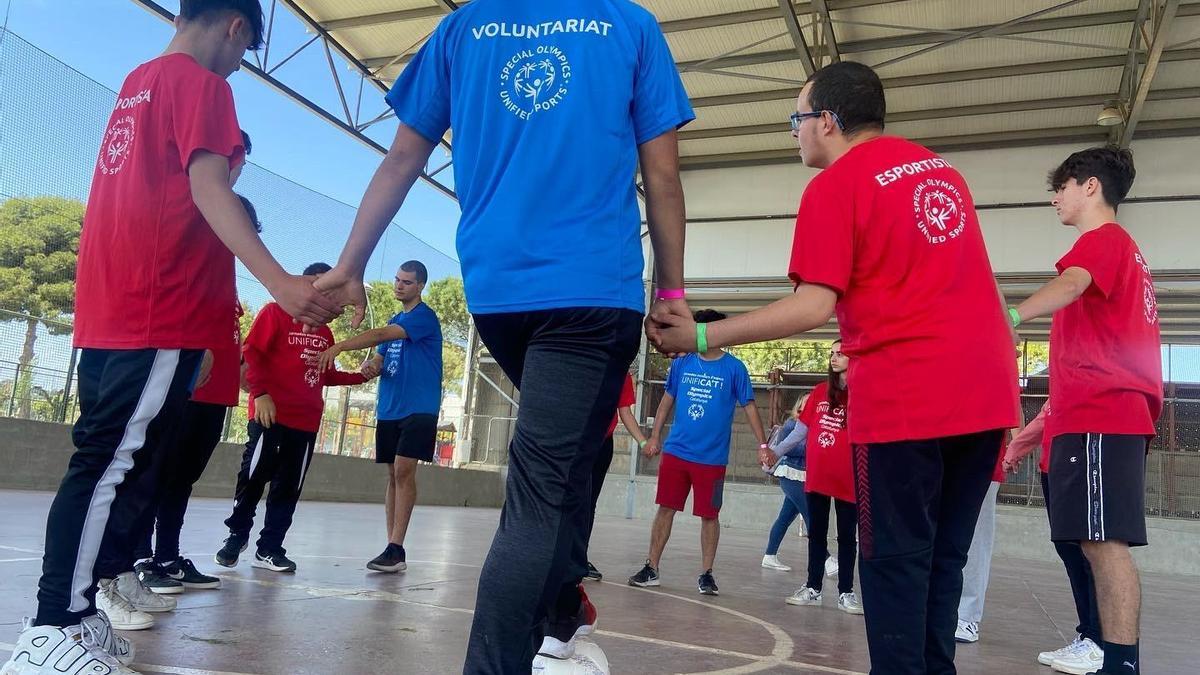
(286,402)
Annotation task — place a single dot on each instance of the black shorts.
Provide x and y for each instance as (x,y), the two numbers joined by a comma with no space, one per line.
(414,437)
(1099,487)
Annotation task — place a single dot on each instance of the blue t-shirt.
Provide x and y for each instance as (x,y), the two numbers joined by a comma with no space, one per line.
(410,381)
(706,395)
(548,102)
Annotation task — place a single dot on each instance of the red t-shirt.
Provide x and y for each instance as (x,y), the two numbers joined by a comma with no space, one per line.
(1105,348)
(282,362)
(891,227)
(151,273)
(224,381)
(828,464)
(627,399)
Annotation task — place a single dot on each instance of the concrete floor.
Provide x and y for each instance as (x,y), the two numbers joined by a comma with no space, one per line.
(332,617)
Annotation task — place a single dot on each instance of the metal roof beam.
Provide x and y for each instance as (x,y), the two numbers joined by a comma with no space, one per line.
(1137,106)
(985,141)
(951,76)
(382,18)
(821,9)
(961,111)
(793,26)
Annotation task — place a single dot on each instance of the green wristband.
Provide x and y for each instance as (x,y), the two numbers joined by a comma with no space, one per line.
(701,338)
(1014,316)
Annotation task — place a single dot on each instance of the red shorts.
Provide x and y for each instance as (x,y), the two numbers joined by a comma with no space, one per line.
(677,477)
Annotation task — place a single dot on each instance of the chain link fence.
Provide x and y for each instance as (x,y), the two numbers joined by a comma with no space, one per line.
(52,119)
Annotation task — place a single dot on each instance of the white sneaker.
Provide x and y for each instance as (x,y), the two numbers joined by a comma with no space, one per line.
(102,633)
(132,588)
(804,596)
(1048,658)
(47,650)
(848,603)
(557,649)
(968,631)
(122,614)
(831,567)
(771,562)
(1088,658)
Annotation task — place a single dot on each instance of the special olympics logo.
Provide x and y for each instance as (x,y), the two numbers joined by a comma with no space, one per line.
(940,211)
(826,439)
(312,377)
(534,80)
(696,411)
(393,366)
(1150,300)
(117,145)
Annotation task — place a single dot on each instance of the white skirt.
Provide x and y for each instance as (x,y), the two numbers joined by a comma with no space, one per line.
(784,471)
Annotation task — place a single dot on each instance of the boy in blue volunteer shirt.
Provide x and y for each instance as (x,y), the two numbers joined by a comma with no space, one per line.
(709,387)
(553,106)
(409,365)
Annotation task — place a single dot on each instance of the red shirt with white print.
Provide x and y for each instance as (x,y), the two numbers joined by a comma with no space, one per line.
(151,273)
(891,227)
(224,380)
(827,463)
(282,362)
(1105,348)
(627,399)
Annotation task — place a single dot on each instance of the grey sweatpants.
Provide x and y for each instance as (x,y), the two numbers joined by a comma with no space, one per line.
(979,561)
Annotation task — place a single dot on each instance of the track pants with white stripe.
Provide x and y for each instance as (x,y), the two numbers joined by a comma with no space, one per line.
(130,403)
(279,456)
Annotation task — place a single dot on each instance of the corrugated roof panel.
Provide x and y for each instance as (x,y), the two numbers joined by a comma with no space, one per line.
(696,45)
(982,124)
(387,39)
(952,14)
(1176,75)
(1172,110)
(671,10)
(328,10)
(724,146)
(1005,89)
(1183,29)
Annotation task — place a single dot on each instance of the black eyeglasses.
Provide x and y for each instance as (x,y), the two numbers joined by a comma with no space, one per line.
(798,117)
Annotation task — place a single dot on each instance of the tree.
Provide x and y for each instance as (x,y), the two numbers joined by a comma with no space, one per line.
(809,356)
(445,296)
(39,244)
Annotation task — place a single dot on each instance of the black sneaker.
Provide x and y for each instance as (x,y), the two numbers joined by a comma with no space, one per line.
(391,560)
(185,572)
(228,555)
(707,584)
(647,577)
(276,561)
(155,578)
(593,573)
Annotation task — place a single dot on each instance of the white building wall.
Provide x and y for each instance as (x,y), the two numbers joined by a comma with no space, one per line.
(1019,239)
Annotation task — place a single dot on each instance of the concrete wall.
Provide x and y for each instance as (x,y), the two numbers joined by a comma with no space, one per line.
(34,456)
(1021,532)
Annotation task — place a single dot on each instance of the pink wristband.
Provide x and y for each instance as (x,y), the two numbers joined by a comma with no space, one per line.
(669,294)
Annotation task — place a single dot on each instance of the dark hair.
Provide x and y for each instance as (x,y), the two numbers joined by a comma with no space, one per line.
(250,211)
(707,316)
(418,268)
(316,268)
(837,392)
(853,92)
(205,10)
(246,144)
(1110,165)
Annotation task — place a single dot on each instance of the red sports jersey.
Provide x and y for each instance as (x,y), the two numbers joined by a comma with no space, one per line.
(151,272)
(282,362)
(828,463)
(1105,348)
(891,227)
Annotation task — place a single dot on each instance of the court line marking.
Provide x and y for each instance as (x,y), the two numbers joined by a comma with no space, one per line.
(21,550)
(166,670)
(779,657)
(4,560)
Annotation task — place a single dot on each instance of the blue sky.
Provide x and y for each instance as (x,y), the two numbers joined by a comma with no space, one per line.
(105,39)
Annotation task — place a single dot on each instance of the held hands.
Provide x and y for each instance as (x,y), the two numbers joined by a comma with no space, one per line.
(328,358)
(344,288)
(301,299)
(653,447)
(766,458)
(675,335)
(370,368)
(660,318)
(264,410)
